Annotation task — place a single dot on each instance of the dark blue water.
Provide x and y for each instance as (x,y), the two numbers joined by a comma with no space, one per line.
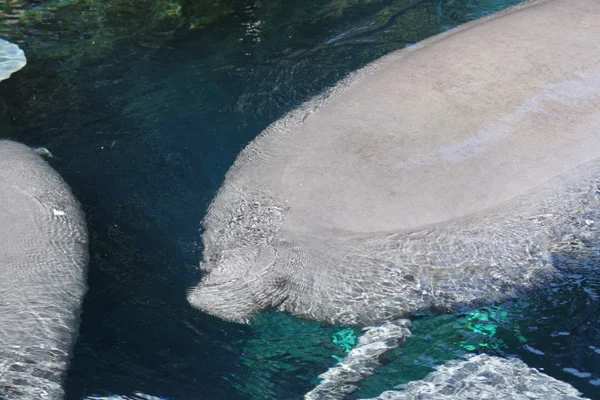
(145,105)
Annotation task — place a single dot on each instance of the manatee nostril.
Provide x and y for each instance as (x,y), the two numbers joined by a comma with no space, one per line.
(205,265)
(209,262)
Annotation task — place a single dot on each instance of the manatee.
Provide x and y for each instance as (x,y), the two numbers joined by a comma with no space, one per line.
(439,177)
(43,263)
(485,377)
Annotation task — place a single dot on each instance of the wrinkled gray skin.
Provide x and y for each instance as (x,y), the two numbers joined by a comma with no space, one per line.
(439,177)
(43,261)
(485,377)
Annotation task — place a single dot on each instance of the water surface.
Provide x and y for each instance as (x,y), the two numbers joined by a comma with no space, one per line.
(145,105)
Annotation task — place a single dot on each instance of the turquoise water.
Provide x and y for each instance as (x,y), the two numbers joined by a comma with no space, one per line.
(145,105)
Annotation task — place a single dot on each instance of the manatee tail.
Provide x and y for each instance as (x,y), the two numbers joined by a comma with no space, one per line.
(361,362)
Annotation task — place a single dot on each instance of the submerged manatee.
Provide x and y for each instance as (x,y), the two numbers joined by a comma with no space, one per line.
(438,177)
(43,261)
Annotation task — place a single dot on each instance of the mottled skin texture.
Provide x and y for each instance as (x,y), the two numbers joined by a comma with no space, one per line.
(43,261)
(438,177)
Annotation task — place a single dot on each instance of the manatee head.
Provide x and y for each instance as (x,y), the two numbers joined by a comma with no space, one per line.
(239,259)
(240,285)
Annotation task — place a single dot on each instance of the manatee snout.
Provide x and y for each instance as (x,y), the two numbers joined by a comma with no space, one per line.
(232,301)
(237,285)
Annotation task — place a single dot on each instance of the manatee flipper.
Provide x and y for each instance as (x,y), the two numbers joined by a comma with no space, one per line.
(485,377)
(361,362)
(43,263)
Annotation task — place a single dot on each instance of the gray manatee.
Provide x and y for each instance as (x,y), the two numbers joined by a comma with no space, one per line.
(43,265)
(439,177)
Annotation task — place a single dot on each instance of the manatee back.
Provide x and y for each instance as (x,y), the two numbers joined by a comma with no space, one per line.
(455,125)
(43,262)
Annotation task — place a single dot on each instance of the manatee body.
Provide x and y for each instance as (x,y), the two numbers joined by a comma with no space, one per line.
(43,263)
(438,177)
